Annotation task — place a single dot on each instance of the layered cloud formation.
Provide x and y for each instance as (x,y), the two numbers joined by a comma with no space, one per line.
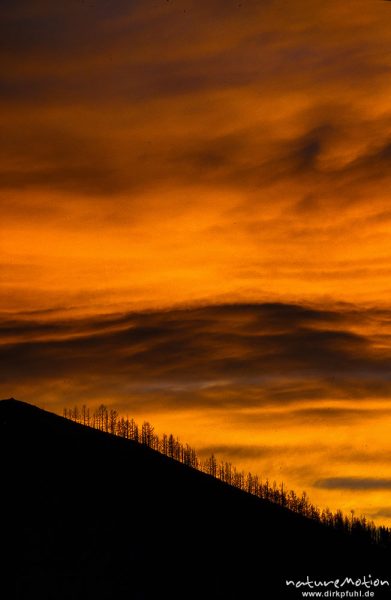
(296,392)
(161,152)
(196,225)
(260,354)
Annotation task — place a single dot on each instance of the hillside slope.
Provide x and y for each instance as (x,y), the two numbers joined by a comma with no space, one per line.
(92,516)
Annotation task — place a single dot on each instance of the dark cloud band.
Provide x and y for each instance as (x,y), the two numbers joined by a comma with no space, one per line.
(257,353)
(353,483)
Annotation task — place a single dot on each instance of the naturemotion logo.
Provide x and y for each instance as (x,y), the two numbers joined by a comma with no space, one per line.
(363,587)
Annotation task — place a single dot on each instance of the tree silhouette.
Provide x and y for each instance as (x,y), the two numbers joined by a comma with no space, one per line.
(109,421)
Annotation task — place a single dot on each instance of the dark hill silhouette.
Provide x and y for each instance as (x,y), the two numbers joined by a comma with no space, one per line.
(89,515)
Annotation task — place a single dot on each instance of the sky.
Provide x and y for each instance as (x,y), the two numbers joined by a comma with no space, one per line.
(195,227)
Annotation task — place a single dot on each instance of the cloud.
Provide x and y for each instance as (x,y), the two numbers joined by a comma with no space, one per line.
(353,483)
(258,75)
(230,158)
(241,152)
(227,355)
(238,452)
(382,512)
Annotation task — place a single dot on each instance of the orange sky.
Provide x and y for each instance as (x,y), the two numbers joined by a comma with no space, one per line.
(196,225)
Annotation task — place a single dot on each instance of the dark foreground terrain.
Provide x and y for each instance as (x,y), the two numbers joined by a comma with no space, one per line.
(91,516)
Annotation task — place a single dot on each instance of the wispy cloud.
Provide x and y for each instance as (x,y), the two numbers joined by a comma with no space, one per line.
(139,135)
(259,354)
(195,220)
(354,483)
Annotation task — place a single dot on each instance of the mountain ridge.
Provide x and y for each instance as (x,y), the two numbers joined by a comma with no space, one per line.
(93,511)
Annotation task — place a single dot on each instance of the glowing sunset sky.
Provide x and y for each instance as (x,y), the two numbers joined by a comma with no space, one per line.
(196,227)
